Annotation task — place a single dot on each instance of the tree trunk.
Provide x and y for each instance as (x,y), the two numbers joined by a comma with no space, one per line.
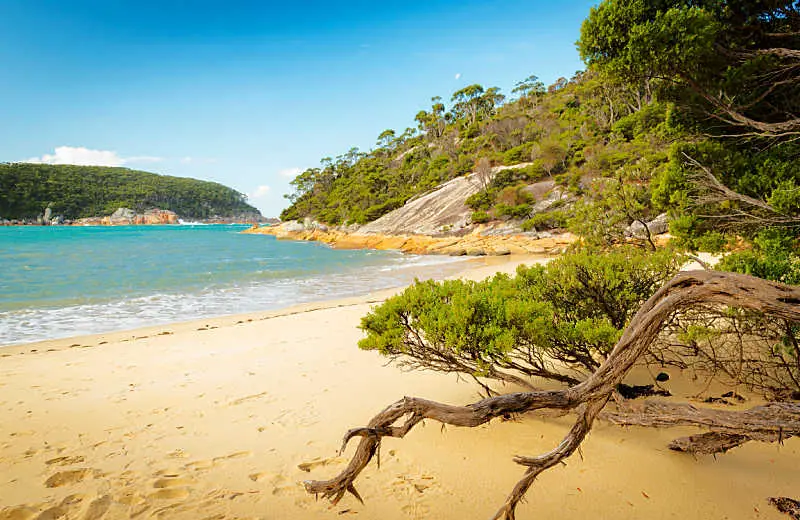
(772,422)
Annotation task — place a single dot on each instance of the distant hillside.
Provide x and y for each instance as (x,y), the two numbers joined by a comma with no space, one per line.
(562,137)
(26,190)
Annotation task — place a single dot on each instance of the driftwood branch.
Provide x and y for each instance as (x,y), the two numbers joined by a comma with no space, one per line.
(787,505)
(589,397)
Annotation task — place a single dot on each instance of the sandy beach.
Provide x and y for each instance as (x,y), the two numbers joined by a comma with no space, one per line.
(224,418)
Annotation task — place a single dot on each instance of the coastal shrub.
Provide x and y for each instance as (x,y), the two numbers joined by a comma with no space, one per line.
(558,321)
(512,176)
(480,217)
(482,200)
(518,211)
(518,154)
(556,219)
(512,196)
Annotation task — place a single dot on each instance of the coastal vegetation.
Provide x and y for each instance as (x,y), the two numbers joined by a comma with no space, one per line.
(687,109)
(557,322)
(684,108)
(27,190)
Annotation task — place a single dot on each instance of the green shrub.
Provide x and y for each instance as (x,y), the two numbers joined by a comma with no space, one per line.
(517,211)
(518,154)
(641,121)
(558,321)
(556,219)
(480,201)
(480,217)
(774,257)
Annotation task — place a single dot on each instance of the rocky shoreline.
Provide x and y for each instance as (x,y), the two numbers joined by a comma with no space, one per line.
(129,217)
(479,242)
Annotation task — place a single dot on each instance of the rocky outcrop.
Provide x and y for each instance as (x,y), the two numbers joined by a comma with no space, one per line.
(476,243)
(439,223)
(657,226)
(439,212)
(128,217)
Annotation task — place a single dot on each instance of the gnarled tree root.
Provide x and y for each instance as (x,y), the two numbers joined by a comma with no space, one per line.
(589,397)
(786,505)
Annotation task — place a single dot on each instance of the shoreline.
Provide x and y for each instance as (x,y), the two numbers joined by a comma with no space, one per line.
(226,421)
(474,243)
(473,268)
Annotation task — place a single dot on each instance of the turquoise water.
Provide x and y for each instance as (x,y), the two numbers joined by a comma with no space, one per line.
(65,281)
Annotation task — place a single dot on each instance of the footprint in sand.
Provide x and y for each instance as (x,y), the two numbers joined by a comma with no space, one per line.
(65,461)
(280,484)
(199,465)
(54,513)
(17,513)
(170,494)
(171,482)
(416,510)
(308,466)
(235,455)
(66,478)
(247,398)
(98,508)
(171,487)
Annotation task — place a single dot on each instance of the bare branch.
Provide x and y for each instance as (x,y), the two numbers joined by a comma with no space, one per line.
(589,397)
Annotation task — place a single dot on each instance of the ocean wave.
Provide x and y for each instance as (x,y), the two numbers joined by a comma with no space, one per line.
(252,295)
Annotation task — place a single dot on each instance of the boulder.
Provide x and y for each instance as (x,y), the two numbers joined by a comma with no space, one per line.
(657,226)
(121,213)
(555,196)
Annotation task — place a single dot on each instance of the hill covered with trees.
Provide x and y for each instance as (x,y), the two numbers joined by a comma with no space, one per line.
(26,190)
(685,108)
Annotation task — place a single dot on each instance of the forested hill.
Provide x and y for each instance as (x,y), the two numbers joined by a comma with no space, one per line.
(26,190)
(685,107)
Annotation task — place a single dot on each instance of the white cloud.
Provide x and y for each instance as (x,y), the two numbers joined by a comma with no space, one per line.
(87,157)
(458,75)
(290,172)
(259,192)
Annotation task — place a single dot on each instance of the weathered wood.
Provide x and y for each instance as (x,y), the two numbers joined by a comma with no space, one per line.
(789,506)
(709,443)
(771,422)
(589,397)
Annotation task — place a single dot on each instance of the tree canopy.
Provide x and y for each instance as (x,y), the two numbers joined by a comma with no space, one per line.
(739,59)
(26,190)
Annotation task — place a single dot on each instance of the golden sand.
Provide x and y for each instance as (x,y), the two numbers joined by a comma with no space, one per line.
(225,418)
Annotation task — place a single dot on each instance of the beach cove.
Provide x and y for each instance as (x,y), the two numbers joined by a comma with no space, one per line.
(225,417)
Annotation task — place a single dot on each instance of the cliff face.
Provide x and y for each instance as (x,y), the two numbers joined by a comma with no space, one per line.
(439,212)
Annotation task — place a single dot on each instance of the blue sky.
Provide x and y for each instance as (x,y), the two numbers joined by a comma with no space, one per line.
(248,92)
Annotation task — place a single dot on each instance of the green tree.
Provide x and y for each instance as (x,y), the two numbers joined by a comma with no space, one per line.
(736,60)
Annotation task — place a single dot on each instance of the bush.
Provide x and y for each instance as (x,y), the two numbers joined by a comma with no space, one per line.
(550,220)
(783,268)
(480,201)
(558,321)
(518,154)
(511,176)
(517,211)
(480,217)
